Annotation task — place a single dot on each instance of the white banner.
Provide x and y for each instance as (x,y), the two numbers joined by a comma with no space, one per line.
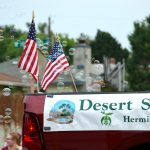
(79,112)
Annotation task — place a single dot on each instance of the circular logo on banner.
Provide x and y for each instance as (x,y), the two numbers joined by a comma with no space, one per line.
(62,112)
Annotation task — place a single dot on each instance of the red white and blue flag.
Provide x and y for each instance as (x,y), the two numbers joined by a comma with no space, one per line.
(29,58)
(57,63)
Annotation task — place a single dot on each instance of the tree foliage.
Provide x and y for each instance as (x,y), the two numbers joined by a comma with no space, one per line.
(7,49)
(42,27)
(11,35)
(139,62)
(106,45)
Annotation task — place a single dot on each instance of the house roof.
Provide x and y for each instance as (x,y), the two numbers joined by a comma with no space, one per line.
(6,77)
(10,74)
(10,69)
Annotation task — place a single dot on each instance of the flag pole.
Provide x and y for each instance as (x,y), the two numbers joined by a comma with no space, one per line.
(31,84)
(37,83)
(33,15)
(73,80)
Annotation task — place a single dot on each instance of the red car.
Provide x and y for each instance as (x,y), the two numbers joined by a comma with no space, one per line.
(35,138)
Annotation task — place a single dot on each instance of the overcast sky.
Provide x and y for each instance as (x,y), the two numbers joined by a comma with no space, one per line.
(78,16)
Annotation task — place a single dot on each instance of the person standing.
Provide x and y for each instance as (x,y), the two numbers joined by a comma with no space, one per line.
(13,142)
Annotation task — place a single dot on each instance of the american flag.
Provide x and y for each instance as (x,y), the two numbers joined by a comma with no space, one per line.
(29,58)
(57,63)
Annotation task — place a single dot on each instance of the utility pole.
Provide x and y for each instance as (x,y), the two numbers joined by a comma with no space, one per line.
(49,26)
(49,35)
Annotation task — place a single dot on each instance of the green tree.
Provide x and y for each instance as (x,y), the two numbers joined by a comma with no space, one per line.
(7,49)
(106,45)
(139,62)
(42,27)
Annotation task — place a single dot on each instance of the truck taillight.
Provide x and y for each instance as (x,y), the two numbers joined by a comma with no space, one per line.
(31,135)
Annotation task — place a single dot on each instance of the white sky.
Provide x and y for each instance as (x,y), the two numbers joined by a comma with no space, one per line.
(78,16)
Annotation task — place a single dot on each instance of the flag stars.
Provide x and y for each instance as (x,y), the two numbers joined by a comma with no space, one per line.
(32,31)
(56,51)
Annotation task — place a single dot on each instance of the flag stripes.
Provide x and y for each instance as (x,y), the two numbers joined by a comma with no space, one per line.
(53,69)
(29,58)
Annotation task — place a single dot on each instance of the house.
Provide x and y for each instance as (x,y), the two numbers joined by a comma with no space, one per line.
(10,76)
